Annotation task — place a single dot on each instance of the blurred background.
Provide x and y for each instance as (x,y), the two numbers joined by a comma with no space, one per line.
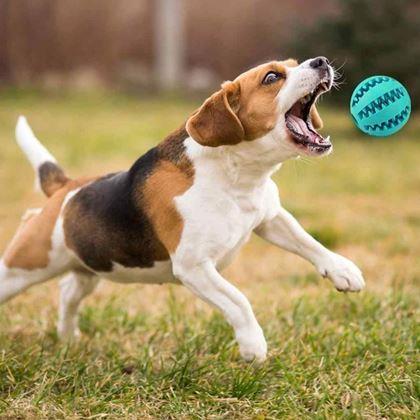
(101,82)
(135,45)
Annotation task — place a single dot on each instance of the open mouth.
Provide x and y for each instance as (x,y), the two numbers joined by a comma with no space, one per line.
(299,124)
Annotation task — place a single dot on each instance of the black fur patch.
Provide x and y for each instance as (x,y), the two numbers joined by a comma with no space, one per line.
(105,222)
(51,177)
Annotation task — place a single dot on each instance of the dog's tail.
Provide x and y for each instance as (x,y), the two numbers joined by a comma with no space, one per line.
(49,176)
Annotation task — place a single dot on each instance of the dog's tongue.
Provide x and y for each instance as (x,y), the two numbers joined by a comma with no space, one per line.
(302,128)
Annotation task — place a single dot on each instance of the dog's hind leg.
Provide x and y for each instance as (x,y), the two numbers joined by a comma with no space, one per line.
(34,255)
(37,252)
(74,287)
(14,281)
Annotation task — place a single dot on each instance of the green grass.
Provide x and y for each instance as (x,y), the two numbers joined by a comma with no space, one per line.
(333,357)
(158,352)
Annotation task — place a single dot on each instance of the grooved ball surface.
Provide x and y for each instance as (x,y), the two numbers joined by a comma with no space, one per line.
(380,106)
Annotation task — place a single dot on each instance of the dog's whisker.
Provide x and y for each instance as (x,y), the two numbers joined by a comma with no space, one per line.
(306,161)
(338,83)
(341,66)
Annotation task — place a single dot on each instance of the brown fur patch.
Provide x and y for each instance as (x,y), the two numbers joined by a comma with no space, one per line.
(244,109)
(172,148)
(257,108)
(116,219)
(32,242)
(216,123)
(165,183)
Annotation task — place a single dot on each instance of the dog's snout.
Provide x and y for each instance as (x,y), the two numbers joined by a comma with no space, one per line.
(320,63)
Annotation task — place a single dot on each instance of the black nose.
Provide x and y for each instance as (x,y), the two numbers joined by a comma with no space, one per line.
(319,63)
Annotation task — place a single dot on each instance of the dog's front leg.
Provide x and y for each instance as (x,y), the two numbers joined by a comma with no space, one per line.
(284,231)
(204,280)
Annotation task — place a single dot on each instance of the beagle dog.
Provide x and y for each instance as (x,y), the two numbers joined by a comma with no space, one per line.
(184,209)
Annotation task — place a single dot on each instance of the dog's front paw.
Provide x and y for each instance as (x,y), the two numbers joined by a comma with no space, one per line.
(68,335)
(345,275)
(252,345)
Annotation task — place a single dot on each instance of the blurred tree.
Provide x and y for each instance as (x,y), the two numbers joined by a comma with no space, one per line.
(169,35)
(5,72)
(369,37)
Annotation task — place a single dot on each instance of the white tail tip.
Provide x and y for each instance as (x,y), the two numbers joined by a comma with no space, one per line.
(36,153)
(22,128)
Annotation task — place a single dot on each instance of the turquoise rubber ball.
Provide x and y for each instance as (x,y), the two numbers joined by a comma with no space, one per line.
(380,106)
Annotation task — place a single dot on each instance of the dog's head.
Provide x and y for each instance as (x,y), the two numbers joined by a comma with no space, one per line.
(276,98)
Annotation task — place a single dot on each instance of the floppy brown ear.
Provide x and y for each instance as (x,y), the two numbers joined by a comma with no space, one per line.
(316,118)
(215,123)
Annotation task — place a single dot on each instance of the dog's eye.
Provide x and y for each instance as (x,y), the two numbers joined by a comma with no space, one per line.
(272,77)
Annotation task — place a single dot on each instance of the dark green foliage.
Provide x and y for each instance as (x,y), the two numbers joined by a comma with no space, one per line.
(370,37)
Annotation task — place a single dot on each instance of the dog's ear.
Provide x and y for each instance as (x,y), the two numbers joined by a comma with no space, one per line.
(316,118)
(215,123)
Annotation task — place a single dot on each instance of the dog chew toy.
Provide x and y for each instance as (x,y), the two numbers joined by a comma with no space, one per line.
(380,106)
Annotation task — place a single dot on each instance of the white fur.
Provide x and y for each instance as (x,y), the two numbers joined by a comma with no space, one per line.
(36,153)
(232,194)
(204,280)
(300,81)
(284,231)
(74,287)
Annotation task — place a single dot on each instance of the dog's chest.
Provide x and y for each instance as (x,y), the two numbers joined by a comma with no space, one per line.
(219,220)
(247,213)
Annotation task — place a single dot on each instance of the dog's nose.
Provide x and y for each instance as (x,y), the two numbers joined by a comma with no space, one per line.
(319,63)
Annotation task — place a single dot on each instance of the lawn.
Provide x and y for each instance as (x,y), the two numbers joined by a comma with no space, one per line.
(158,352)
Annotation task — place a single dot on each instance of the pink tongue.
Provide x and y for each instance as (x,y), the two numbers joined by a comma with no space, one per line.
(300,127)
